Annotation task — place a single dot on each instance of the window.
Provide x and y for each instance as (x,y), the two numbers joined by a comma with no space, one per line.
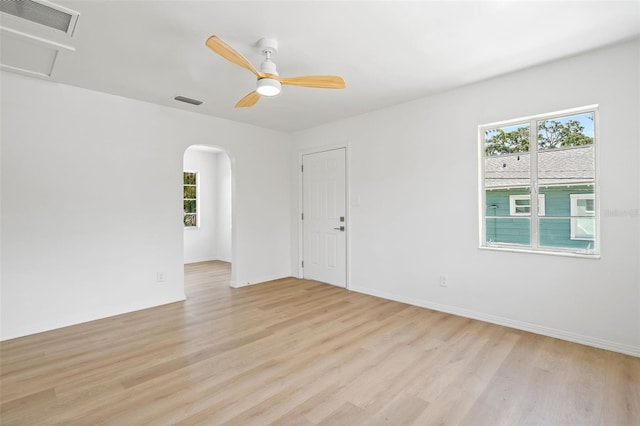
(582,217)
(190,199)
(520,205)
(554,157)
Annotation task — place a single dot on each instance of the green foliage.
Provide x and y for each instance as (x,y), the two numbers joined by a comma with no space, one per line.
(551,134)
(554,134)
(190,192)
(498,141)
(189,206)
(189,178)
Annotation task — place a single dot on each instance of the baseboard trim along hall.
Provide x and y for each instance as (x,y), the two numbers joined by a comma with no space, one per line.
(520,325)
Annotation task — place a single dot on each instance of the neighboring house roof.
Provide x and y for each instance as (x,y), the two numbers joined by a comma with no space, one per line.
(564,166)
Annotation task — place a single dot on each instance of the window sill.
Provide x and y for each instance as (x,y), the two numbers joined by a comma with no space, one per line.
(577,254)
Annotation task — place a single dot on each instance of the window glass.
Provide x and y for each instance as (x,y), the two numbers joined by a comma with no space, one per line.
(190,199)
(506,181)
(557,162)
(582,216)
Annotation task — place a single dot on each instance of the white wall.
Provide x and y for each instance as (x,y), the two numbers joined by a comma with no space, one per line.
(91,203)
(223,208)
(414,168)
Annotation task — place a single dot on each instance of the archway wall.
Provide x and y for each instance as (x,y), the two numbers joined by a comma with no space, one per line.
(260,163)
(91,203)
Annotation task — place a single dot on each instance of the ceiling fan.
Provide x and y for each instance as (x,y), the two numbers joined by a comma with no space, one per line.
(269,82)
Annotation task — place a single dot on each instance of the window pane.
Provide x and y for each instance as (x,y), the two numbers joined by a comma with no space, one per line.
(507,161)
(567,131)
(583,225)
(189,178)
(190,220)
(508,230)
(585,228)
(556,232)
(501,222)
(190,192)
(189,206)
(507,140)
(561,201)
(566,175)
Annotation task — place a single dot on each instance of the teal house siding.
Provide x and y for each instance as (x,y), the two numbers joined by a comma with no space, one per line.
(554,227)
(502,228)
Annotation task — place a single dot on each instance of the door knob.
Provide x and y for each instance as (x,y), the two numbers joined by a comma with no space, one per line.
(340,229)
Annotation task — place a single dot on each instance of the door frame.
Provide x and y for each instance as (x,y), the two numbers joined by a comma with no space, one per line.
(317,150)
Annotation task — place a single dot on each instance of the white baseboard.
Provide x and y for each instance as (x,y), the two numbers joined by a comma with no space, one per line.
(507,322)
(81,319)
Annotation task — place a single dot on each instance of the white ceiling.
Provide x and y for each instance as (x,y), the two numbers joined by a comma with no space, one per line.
(387,52)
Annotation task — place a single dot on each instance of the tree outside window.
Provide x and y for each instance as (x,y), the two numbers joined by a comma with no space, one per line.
(190,199)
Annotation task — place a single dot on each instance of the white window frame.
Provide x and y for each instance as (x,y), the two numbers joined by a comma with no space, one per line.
(518,197)
(594,249)
(197,185)
(574,214)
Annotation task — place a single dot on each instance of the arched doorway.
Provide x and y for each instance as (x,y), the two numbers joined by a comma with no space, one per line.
(207,205)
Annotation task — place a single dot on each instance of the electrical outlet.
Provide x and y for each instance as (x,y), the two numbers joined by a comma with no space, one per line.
(444,280)
(160,277)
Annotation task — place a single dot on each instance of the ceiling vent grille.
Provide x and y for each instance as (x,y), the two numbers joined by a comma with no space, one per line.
(188,100)
(43,13)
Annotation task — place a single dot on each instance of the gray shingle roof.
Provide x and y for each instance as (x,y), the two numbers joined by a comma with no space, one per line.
(568,166)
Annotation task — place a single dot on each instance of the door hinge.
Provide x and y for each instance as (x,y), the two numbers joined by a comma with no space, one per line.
(302,214)
(303,263)
(302,168)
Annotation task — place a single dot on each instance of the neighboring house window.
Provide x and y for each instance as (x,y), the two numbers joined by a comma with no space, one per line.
(554,157)
(583,217)
(520,205)
(190,199)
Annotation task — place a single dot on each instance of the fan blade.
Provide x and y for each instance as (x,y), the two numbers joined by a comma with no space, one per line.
(221,47)
(318,81)
(249,100)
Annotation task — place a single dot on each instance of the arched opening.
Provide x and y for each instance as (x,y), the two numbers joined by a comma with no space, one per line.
(207,208)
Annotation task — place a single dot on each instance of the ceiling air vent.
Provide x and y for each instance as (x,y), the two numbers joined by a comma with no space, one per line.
(188,100)
(42,12)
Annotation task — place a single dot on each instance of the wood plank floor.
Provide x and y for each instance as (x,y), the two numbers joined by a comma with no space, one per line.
(297,352)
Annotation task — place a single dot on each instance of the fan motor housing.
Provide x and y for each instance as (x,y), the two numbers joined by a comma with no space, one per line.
(268,45)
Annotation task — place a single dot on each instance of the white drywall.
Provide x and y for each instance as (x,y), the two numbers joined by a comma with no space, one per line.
(223,208)
(414,170)
(91,203)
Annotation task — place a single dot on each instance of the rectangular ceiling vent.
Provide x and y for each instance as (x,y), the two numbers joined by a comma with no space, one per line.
(42,12)
(188,100)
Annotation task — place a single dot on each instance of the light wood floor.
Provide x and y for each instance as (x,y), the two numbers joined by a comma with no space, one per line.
(296,352)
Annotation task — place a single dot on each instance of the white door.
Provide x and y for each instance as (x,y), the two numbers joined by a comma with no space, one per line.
(324,217)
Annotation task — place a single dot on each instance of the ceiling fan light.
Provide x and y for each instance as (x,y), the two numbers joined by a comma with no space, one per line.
(268,87)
